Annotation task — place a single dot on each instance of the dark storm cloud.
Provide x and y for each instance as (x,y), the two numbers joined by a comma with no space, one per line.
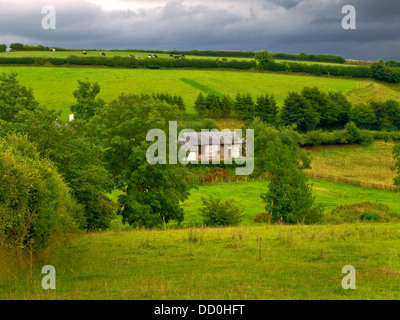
(312,26)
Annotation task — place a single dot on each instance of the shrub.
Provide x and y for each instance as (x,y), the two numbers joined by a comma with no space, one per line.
(355,135)
(370,216)
(218,213)
(35,202)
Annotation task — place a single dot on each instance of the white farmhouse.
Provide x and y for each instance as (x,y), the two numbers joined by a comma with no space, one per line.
(212,145)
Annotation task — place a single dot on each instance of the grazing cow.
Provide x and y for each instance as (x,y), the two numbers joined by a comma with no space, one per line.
(155,56)
(171,55)
(137,57)
(84,52)
(102,53)
(149,57)
(176,57)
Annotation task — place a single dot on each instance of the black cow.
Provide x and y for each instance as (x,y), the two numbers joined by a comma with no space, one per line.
(84,52)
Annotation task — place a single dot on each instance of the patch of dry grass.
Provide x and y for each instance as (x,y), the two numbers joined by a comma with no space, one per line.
(367,165)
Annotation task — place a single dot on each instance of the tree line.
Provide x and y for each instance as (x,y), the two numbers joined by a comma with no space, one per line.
(310,109)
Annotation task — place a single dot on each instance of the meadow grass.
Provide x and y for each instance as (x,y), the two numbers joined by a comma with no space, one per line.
(370,164)
(257,262)
(53,86)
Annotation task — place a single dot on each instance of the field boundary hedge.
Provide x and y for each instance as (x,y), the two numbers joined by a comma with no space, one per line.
(375,71)
(127,62)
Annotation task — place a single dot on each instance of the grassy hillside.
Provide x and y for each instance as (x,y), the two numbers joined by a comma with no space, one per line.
(264,262)
(53,87)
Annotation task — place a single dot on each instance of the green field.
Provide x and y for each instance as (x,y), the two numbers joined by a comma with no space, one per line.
(263,262)
(53,86)
(247,197)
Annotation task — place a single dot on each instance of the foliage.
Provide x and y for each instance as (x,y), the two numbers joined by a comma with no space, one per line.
(14,97)
(172,100)
(363,116)
(387,115)
(17,46)
(267,109)
(311,57)
(263,58)
(217,213)
(277,154)
(3,47)
(244,106)
(87,105)
(297,110)
(35,202)
(152,193)
(70,148)
(212,106)
(380,71)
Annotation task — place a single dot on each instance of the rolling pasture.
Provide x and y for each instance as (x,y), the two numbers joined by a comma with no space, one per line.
(251,261)
(53,86)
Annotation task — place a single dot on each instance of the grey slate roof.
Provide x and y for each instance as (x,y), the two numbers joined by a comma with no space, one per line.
(209,138)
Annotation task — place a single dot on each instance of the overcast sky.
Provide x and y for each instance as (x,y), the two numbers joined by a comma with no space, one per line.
(291,26)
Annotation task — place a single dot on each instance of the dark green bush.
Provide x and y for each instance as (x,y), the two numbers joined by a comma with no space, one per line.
(218,213)
(370,216)
(35,202)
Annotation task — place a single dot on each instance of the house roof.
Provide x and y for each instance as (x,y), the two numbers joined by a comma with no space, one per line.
(209,138)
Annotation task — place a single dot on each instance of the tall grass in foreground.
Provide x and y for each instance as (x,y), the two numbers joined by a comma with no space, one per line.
(264,262)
